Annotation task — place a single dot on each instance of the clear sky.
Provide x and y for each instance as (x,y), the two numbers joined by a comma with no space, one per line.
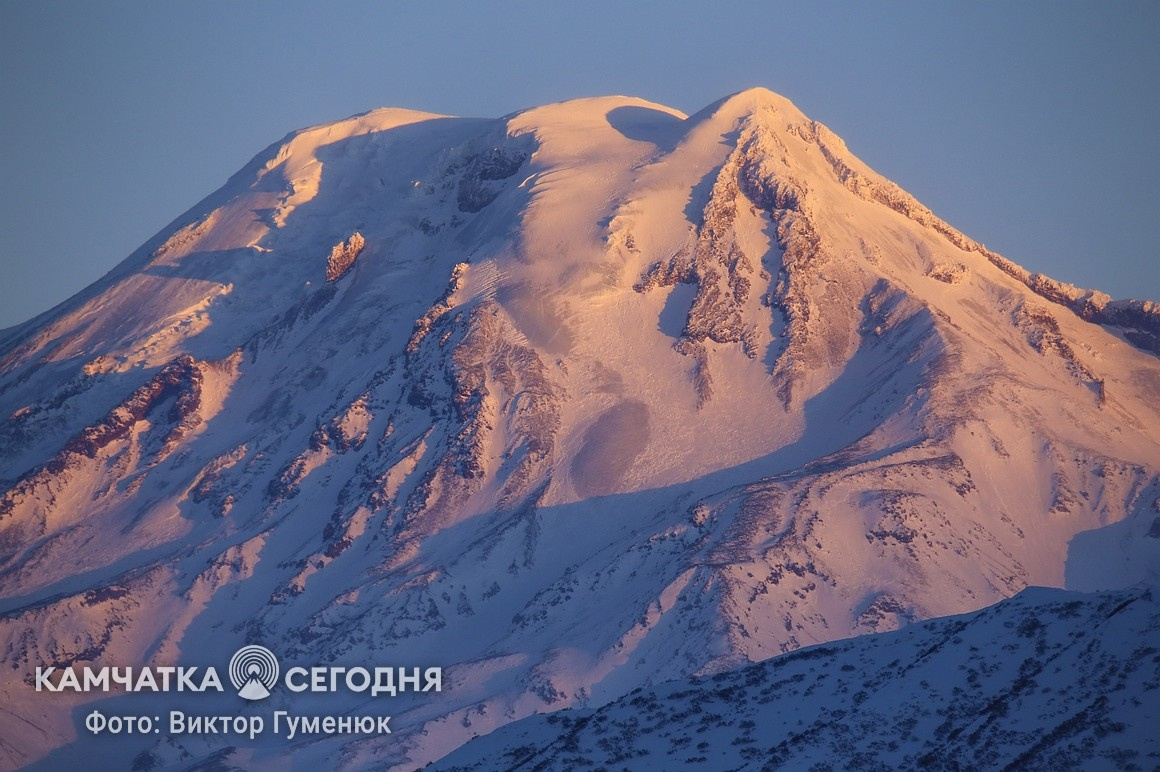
(1031,126)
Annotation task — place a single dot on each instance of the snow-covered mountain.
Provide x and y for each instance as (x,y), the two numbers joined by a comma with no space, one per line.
(570,402)
(1048,680)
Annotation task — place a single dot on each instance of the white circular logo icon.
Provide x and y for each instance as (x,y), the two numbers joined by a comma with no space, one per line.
(253,672)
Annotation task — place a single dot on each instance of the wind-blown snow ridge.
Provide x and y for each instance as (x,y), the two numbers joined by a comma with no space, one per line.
(570,402)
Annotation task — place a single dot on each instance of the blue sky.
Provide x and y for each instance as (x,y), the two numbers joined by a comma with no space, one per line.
(1030,126)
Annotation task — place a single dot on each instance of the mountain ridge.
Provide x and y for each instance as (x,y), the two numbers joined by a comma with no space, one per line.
(1071,689)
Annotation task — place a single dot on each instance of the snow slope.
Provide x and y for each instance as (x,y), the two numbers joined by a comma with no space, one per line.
(1046,680)
(569,402)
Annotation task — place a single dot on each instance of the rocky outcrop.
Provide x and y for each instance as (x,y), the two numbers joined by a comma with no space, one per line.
(178,383)
(342,256)
(481,180)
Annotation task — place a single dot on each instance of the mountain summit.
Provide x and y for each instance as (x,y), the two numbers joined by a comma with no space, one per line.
(570,402)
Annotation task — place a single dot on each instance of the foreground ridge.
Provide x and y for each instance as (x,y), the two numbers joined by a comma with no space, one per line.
(1046,680)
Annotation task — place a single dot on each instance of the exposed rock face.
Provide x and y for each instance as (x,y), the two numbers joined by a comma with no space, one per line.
(29,502)
(480,183)
(622,397)
(343,255)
